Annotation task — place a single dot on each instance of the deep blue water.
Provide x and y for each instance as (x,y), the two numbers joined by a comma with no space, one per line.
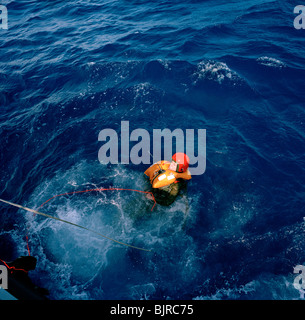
(69,69)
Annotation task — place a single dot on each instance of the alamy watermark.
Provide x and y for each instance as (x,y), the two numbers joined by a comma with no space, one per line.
(299,20)
(299,280)
(3,17)
(3,277)
(140,152)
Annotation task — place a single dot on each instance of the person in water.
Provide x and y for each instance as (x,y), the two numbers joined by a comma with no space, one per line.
(168,178)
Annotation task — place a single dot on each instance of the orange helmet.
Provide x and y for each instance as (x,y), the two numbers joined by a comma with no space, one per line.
(182,161)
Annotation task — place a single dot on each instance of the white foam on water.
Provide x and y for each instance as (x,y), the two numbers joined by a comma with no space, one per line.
(215,71)
(271,62)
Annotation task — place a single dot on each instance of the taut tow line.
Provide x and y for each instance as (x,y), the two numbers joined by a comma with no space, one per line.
(71,223)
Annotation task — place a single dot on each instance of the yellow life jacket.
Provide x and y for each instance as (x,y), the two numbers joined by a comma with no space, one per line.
(162,179)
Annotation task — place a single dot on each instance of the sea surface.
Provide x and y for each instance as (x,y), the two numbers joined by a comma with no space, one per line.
(69,69)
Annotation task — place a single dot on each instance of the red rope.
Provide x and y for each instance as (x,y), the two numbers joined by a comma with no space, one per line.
(27,244)
(101,189)
(12,267)
(83,191)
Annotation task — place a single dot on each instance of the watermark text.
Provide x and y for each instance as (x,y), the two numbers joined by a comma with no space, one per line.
(140,152)
(3,17)
(299,281)
(3,277)
(299,20)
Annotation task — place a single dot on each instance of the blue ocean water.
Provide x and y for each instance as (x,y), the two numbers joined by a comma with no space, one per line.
(69,69)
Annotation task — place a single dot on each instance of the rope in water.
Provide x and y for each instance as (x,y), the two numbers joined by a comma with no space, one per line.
(101,189)
(74,224)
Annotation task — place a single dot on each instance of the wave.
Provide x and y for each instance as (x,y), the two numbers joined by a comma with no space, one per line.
(271,62)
